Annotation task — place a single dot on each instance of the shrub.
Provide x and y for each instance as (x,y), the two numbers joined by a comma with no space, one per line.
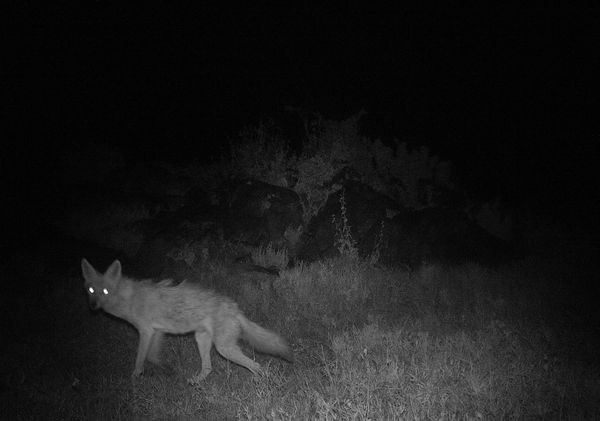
(411,177)
(344,242)
(262,154)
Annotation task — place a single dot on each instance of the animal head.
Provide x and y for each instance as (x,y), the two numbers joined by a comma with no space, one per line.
(100,286)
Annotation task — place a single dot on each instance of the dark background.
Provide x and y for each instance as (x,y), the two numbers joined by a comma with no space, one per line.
(508,95)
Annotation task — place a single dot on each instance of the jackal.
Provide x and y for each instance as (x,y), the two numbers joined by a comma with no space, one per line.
(156,308)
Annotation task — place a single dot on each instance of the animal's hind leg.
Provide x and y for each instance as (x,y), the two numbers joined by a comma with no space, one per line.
(227,345)
(204,342)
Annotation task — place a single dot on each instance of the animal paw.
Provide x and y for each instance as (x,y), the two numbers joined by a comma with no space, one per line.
(198,378)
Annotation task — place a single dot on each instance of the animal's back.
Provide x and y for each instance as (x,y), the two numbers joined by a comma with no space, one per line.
(182,308)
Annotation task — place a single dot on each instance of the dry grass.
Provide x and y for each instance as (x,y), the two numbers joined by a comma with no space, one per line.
(440,343)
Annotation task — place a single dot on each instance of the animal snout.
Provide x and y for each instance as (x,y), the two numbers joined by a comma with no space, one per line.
(94,304)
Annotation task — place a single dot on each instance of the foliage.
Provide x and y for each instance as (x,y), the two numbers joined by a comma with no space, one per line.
(409,176)
(344,241)
(261,153)
(376,252)
(268,256)
(313,174)
(460,342)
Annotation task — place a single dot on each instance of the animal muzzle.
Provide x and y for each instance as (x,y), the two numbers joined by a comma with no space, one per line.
(94,303)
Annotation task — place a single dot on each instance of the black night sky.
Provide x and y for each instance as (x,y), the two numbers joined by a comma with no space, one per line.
(507,95)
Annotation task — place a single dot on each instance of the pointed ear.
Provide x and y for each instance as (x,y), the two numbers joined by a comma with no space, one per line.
(89,273)
(114,271)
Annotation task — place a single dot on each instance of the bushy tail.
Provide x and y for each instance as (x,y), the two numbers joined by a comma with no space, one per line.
(264,340)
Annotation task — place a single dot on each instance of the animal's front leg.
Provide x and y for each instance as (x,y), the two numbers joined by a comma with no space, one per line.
(145,340)
(155,347)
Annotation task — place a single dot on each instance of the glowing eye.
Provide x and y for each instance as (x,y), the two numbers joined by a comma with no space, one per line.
(105,291)
(91,290)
